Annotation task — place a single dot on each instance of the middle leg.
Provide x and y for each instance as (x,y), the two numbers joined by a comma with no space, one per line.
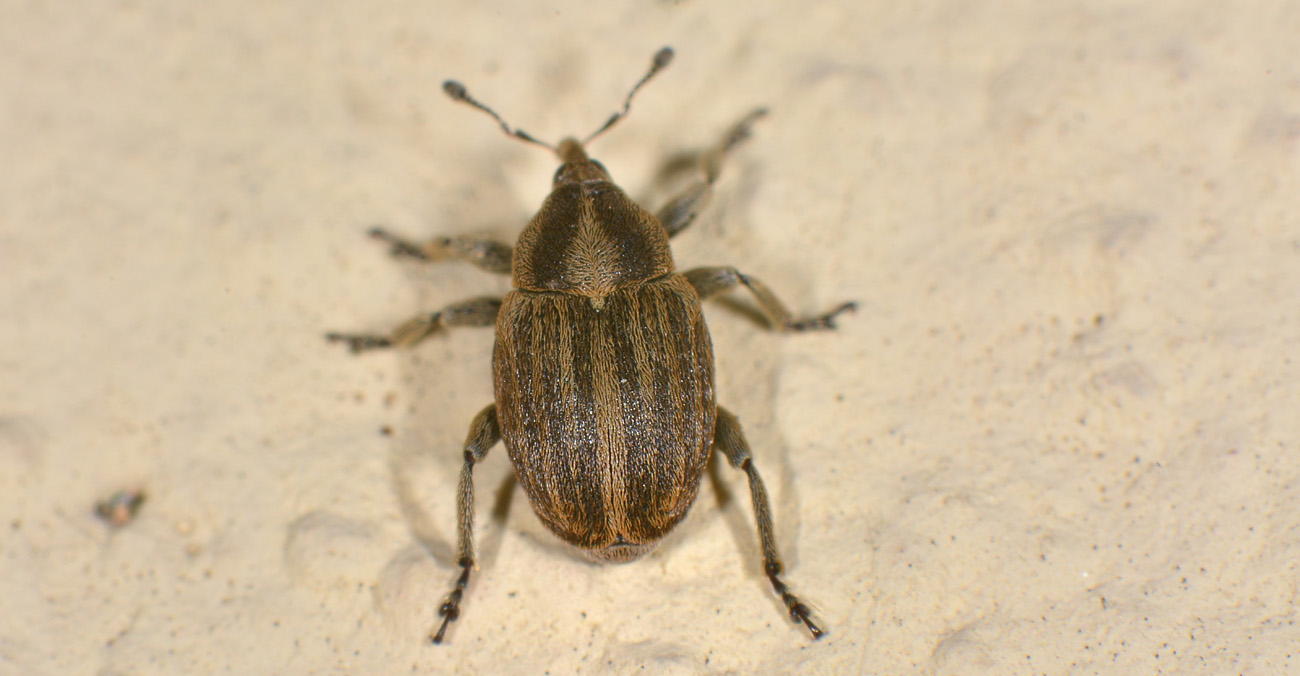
(477,312)
(712,281)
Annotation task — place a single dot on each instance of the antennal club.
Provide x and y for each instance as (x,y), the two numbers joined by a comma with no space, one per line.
(663,57)
(458,92)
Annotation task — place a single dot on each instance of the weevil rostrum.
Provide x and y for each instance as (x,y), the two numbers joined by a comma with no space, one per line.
(603,366)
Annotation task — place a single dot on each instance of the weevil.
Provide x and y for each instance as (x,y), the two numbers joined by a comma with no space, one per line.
(603,366)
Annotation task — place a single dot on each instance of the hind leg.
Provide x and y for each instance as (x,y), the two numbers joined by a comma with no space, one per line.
(730,440)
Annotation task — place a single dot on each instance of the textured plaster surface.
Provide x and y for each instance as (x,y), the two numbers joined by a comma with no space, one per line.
(1059,436)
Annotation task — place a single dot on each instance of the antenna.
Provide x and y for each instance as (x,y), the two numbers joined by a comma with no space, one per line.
(458,92)
(662,58)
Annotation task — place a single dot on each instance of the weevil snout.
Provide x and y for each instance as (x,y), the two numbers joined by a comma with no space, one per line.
(577,167)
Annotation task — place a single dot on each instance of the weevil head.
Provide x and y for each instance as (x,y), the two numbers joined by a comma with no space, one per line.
(576,167)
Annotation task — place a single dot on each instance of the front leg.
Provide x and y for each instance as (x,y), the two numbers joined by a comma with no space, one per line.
(482,253)
(711,281)
(682,210)
(477,312)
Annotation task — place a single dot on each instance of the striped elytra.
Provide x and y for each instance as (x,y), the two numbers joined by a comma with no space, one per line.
(607,413)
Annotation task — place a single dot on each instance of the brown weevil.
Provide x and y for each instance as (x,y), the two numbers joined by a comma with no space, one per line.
(603,367)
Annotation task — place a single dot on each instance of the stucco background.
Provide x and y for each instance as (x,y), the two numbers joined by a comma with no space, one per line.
(1058,437)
